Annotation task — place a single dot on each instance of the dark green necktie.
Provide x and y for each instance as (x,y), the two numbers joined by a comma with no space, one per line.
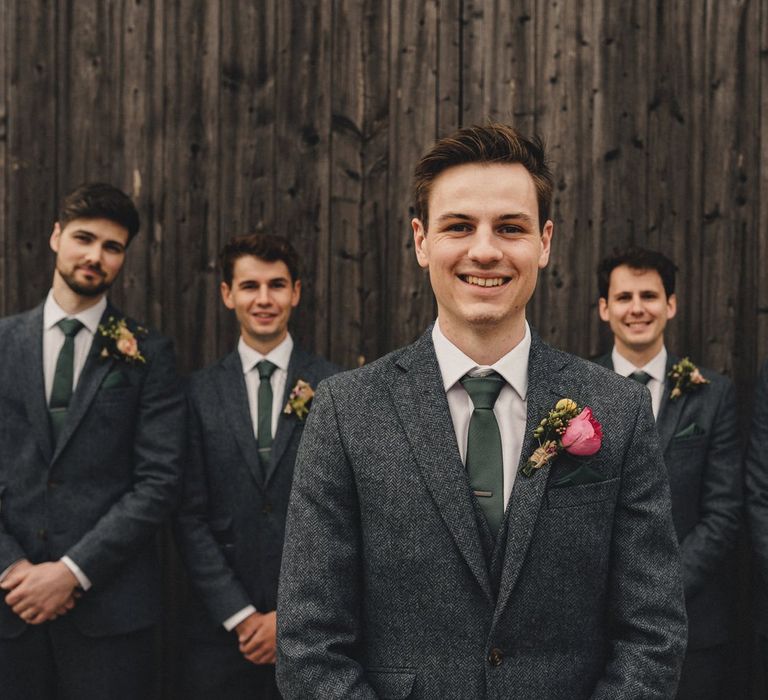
(63,377)
(264,425)
(640,376)
(484,457)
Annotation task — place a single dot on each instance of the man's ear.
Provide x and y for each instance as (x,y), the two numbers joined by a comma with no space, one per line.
(226,295)
(671,306)
(546,243)
(420,242)
(55,236)
(602,307)
(296,296)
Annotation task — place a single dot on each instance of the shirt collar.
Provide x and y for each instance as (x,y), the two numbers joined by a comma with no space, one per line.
(454,364)
(53,313)
(657,367)
(279,356)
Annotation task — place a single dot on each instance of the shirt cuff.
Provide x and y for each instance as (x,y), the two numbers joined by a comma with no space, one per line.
(231,622)
(7,570)
(82,579)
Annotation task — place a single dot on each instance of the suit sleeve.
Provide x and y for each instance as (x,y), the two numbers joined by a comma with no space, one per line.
(319,624)
(646,609)
(704,547)
(211,574)
(158,441)
(756,467)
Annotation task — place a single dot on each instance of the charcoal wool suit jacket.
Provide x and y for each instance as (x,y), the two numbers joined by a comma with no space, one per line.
(699,436)
(231,522)
(757,497)
(389,588)
(99,494)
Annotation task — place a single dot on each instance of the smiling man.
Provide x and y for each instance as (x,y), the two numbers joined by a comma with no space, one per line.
(432,551)
(247,416)
(696,416)
(90,441)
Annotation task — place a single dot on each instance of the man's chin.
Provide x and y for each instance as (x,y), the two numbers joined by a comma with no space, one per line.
(82,290)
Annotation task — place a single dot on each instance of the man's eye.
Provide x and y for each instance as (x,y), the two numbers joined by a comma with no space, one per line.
(511,229)
(459,227)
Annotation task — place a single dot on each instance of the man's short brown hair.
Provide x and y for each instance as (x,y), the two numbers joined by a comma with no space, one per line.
(492,143)
(99,200)
(262,246)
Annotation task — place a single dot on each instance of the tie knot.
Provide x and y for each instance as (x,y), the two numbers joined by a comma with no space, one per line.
(265,369)
(70,327)
(483,390)
(640,376)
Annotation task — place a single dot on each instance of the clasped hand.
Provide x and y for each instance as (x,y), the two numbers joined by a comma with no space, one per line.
(257,636)
(40,592)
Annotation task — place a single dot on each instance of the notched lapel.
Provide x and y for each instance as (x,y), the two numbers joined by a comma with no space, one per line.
(528,492)
(31,360)
(423,410)
(670,410)
(233,396)
(286,424)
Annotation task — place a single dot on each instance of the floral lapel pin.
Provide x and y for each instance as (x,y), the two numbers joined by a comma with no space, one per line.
(568,428)
(299,399)
(120,342)
(686,377)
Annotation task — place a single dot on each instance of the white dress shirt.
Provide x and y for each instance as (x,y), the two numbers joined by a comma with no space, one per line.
(53,340)
(657,368)
(510,408)
(279,356)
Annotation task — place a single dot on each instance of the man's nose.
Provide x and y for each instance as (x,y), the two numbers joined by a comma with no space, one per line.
(637,306)
(484,247)
(262,295)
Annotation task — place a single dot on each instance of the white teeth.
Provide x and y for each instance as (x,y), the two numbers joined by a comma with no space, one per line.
(485,281)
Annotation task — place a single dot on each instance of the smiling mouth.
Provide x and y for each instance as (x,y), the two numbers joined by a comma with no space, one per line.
(484,281)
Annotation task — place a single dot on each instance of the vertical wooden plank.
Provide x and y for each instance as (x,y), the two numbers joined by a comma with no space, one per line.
(31,151)
(247,136)
(761,244)
(450,29)
(413,105)
(675,136)
(498,63)
(5,238)
(347,179)
(301,176)
(562,307)
(189,302)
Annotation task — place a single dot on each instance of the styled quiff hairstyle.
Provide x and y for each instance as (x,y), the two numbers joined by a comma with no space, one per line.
(98,200)
(492,143)
(262,246)
(636,259)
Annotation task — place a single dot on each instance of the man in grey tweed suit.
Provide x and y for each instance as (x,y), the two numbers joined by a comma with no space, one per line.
(420,562)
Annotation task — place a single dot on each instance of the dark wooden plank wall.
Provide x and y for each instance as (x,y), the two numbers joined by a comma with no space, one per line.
(305,118)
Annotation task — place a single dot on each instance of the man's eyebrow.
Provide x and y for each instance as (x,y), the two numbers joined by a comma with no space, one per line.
(455,215)
(517,216)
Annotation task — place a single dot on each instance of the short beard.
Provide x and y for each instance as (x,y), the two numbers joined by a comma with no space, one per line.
(82,291)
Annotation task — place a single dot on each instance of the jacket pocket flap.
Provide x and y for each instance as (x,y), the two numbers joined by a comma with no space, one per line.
(396,684)
(570,496)
(690,431)
(115,379)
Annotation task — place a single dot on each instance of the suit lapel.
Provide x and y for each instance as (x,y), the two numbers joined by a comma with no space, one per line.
(423,410)
(525,501)
(94,371)
(33,383)
(233,397)
(670,410)
(286,424)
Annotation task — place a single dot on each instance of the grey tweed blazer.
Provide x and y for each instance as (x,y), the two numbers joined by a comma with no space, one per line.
(385,590)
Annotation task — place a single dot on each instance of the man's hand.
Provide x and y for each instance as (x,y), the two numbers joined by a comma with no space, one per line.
(40,592)
(257,635)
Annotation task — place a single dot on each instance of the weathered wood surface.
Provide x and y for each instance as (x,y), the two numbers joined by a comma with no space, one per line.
(305,118)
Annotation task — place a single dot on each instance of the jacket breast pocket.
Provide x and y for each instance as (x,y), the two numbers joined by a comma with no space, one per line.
(392,684)
(574,496)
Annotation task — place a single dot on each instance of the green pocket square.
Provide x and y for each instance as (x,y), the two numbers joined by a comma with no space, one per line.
(583,474)
(690,431)
(114,380)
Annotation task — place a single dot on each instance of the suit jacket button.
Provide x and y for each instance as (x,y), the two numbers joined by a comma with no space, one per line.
(267,508)
(42,534)
(495,657)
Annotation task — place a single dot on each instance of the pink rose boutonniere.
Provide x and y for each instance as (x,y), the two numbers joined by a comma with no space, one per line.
(686,377)
(568,428)
(120,342)
(299,399)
